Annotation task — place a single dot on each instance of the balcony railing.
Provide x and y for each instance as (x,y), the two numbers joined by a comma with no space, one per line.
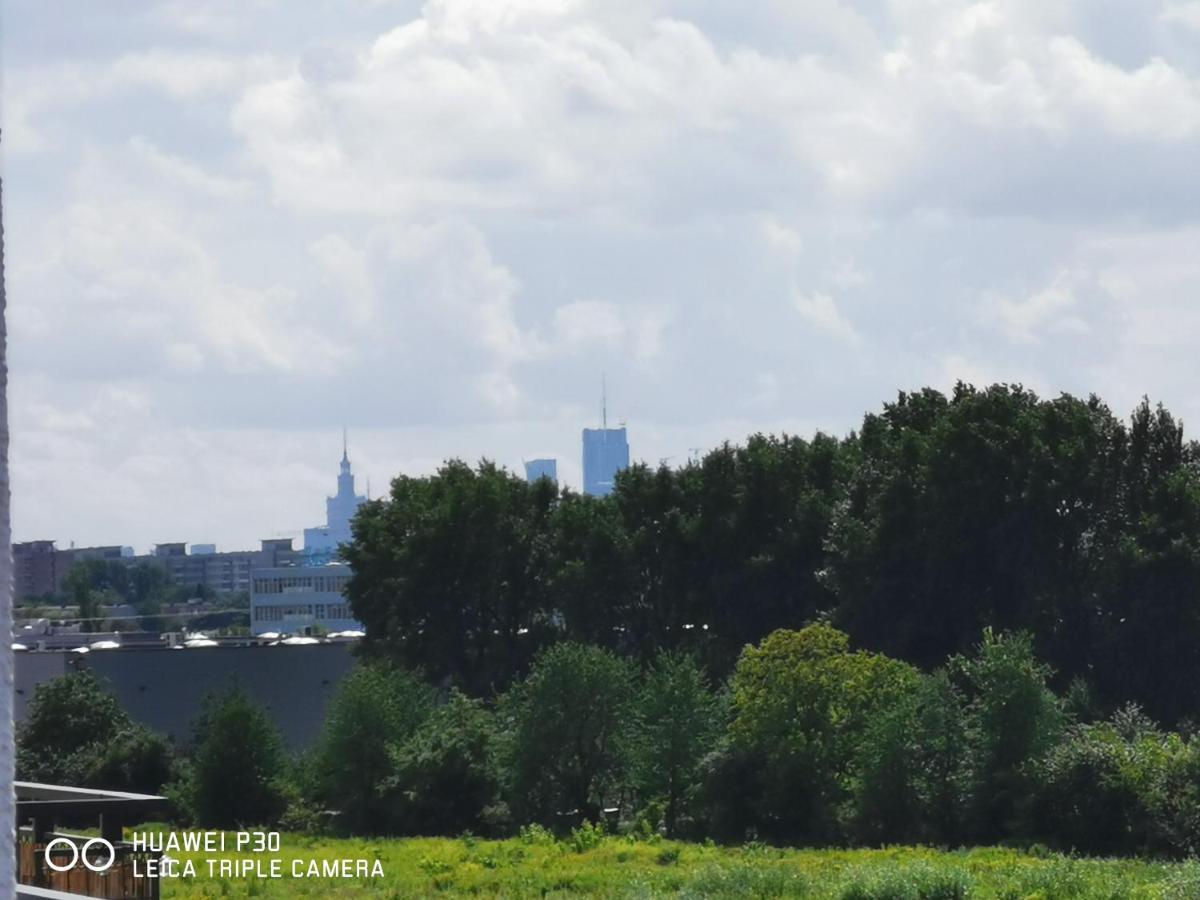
(43,809)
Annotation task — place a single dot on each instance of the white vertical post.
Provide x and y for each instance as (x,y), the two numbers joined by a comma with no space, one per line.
(8,835)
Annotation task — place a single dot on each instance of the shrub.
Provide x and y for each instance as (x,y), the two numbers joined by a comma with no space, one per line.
(76,733)
(918,882)
(136,759)
(586,837)
(1121,786)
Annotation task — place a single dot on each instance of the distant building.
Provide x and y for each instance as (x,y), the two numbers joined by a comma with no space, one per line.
(339,510)
(203,549)
(296,598)
(605,453)
(39,567)
(35,569)
(220,572)
(541,468)
(165,689)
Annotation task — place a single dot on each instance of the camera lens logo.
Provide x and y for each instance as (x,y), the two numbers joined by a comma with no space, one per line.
(77,854)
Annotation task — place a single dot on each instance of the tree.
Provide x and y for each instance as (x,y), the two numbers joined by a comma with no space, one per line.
(1014,720)
(444,774)
(78,585)
(565,726)
(76,733)
(449,576)
(149,586)
(69,721)
(237,764)
(137,760)
(912,761)
(802,702)
(678,722)
(376,708)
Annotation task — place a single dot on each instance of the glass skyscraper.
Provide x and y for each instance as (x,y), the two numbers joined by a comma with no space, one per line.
(541,468)
(605,453)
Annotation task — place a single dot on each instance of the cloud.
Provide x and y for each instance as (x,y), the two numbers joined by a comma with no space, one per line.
(821,311)
(1047,310)
(1182,12)
(441,222)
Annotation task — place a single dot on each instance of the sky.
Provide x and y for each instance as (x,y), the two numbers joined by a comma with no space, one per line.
(234,227)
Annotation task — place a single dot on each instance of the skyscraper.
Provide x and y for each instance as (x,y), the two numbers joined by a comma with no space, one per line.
(605,453)
(541,468)
(339,510)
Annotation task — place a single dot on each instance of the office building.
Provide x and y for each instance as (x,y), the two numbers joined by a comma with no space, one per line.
(605,453)
(300,599)
(541,468)
(339,510)
(219,572)
(35,570)
(39,567)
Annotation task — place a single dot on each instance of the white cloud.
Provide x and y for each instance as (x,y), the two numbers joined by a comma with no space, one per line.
(440,223)
(1182,12)
(822,312)
(1050,309)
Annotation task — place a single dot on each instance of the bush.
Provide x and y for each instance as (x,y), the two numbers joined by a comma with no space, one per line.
(137,760)
(1121,787)
(919,882)
(76,733)
(586,837)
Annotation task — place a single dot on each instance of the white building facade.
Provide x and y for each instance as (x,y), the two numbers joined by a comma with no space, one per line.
(301,600)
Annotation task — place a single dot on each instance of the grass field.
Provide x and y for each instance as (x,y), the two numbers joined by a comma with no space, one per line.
(613,867)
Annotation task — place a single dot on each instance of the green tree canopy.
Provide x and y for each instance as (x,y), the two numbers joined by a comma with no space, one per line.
(376,708)
(566,724)
(238,765)
(802,702)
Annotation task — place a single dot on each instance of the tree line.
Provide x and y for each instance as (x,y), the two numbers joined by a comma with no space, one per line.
(972,620)
(939,517)
(92,585)
(808,742)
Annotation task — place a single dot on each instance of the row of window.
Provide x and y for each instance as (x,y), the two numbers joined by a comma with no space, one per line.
(324,584)
(317,611)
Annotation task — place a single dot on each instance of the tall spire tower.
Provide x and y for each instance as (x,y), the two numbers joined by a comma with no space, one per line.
(605,450)
(339,509)
(603,401)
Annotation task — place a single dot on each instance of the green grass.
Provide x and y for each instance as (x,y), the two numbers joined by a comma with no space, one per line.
(538,866)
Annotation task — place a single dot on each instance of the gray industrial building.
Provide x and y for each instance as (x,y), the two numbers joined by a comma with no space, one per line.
(165,688)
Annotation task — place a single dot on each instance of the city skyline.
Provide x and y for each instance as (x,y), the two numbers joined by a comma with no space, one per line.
(233,228)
